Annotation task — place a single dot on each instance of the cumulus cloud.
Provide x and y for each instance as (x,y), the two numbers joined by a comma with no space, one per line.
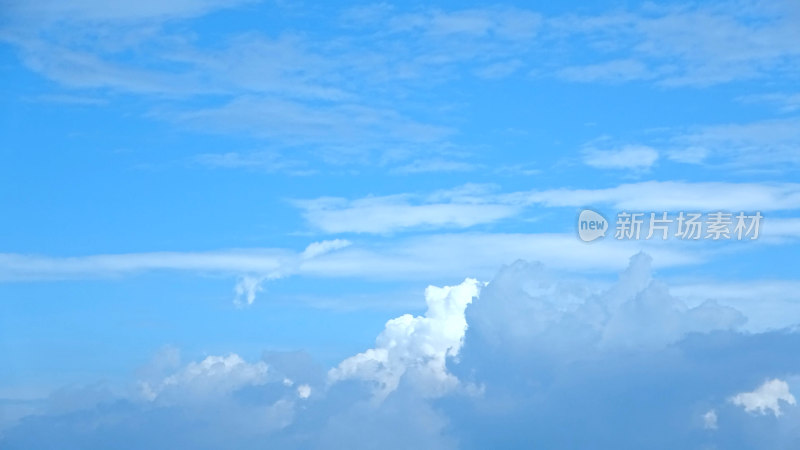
(526,307)
(625,365)
(766,398)
(416,347)
(304,391)
(214,375)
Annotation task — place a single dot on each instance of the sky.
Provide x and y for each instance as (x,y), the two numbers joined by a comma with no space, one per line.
(270,224)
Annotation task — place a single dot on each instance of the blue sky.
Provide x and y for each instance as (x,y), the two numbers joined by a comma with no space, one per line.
(229,213)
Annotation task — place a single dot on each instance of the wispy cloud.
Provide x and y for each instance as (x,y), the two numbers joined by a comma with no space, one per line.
(295,123)
(385,214)
(474,205)
(678,195)
(767,144)
(435,165)
(786,102)
(264,161)
(762,145)
(253,266)
(435,256)
(616,71)
(689,44)
(96,10)
(631,157)
(351,96)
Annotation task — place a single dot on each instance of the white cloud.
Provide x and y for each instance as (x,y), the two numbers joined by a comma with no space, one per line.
(689,155)
(766,398)
(253,267)
(446,256)
(434,256)
(249,285)
(28,267)
(473,205)
(533,340)
(415,347)
(387,215)
(757,146)
(634,157)
(212,377)
(442,255)
(448,209)
(679,195)
(315,249)
(710,420)
(304,391)
(246,289)
(292,91)
(526,307)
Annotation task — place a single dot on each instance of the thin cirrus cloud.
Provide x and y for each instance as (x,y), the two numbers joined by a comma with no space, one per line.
(395,213)
(438,255)
(676,195)
(616,71)
(419,258)
(632,157)
(271,263)
(446,209)
(762,145)
(664,40)
(767,143)
(94,10)
(664,43)
(688,44)
(260,161)
(300,89)
(292,122)
(786,102)
(30,267)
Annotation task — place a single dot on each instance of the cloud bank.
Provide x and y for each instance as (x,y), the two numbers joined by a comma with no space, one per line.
(506,363)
